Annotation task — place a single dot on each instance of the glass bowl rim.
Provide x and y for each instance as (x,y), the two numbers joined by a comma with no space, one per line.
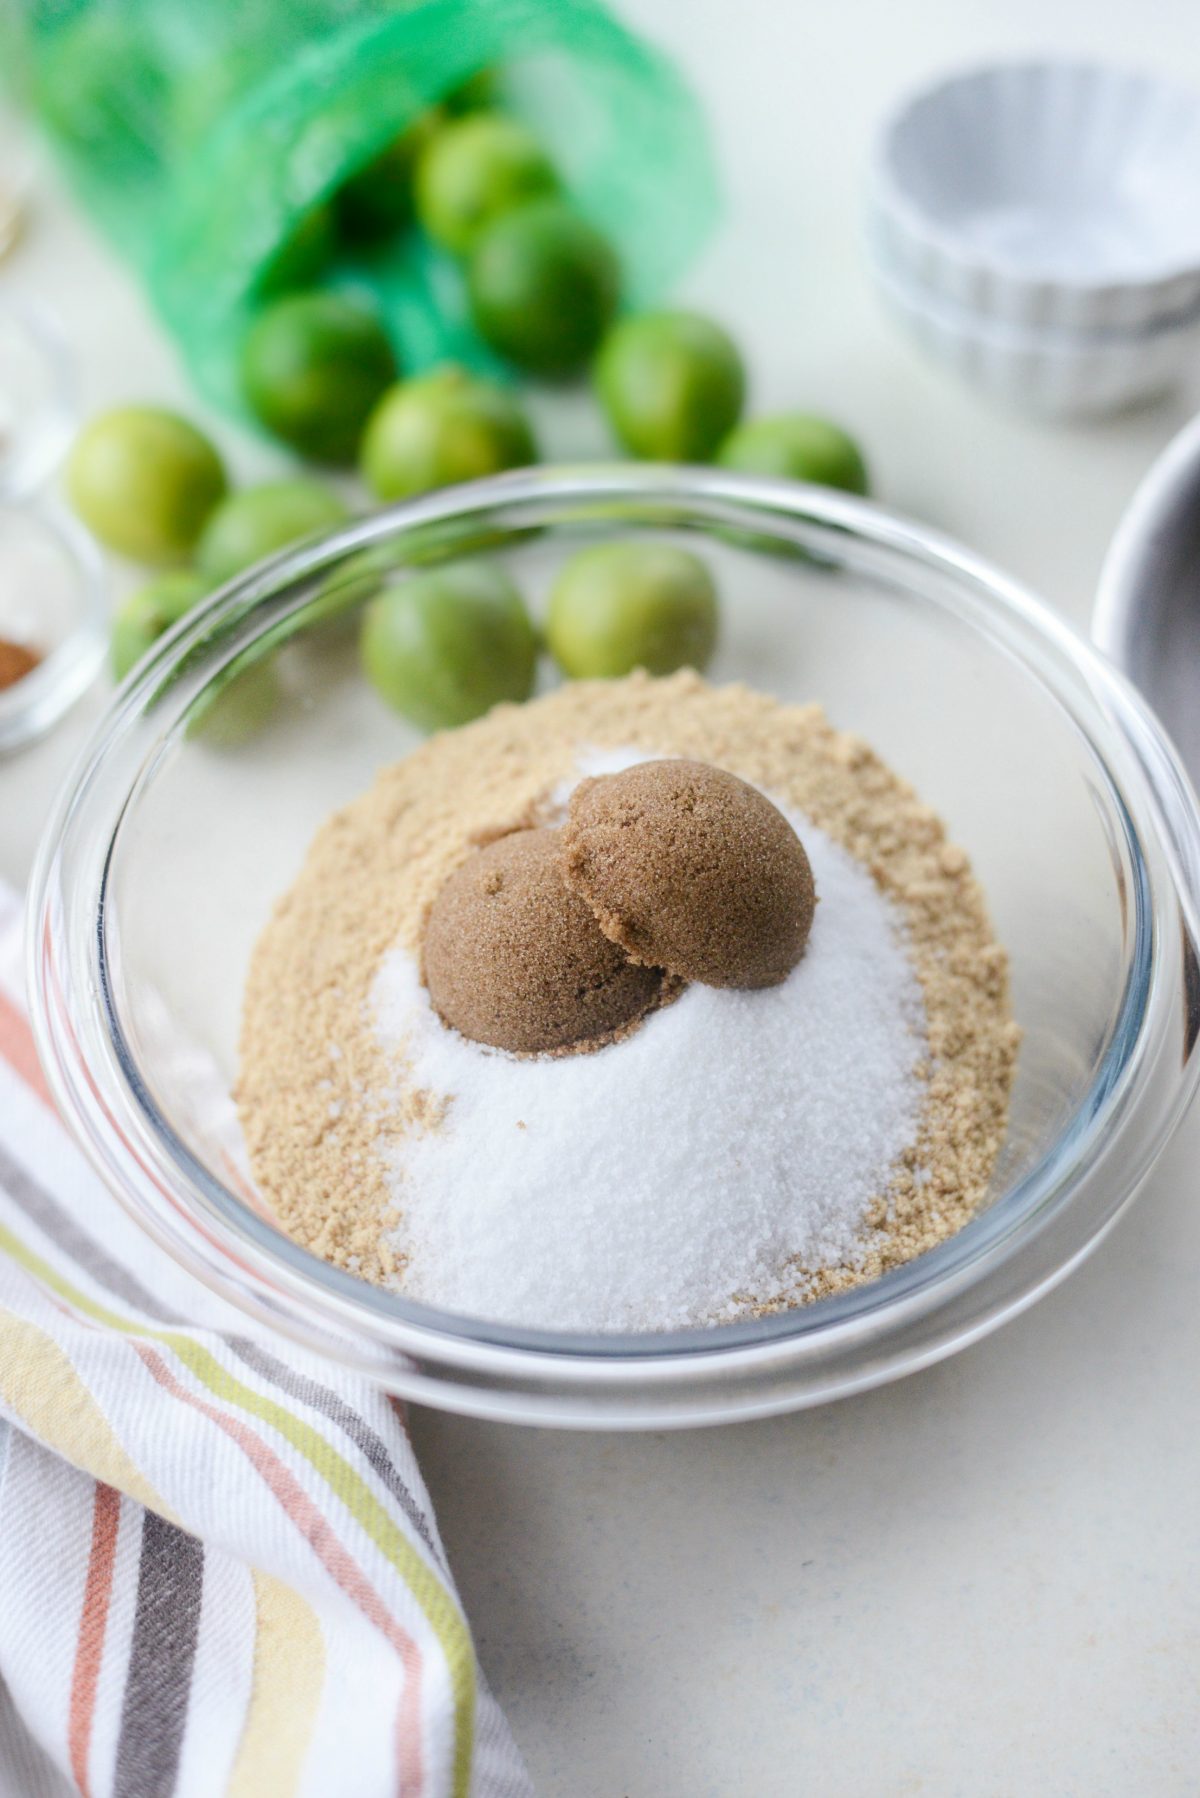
(230,1246)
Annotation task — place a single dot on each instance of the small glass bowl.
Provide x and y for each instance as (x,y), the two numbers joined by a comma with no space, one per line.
(53,598)
(164,857)
(38,405)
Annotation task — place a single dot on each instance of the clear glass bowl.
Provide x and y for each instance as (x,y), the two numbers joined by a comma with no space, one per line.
(167,851)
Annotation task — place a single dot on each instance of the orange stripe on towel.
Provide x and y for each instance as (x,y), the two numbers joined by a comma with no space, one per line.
(93,1621)
(16,1048)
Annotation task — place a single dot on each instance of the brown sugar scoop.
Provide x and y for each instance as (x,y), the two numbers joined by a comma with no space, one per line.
(672,871)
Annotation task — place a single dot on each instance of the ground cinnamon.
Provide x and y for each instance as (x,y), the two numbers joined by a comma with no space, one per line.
(16,661)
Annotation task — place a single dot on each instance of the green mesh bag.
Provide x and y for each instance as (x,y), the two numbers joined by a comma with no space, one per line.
(201,134)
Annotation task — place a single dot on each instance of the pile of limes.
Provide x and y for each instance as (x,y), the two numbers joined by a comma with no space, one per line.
(319,373)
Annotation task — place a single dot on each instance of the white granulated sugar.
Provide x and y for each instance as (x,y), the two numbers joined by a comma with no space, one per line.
(668,1179)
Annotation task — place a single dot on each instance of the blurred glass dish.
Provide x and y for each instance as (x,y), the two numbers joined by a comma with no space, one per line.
(37,400)
(166,854)
(53,602)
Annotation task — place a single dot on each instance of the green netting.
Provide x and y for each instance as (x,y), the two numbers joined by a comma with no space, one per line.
(200,133)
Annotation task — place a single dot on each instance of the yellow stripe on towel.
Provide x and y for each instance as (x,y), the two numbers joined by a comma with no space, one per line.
(39,1384)
(289,1672)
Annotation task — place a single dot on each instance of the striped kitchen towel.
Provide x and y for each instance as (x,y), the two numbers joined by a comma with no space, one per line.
(219,1568)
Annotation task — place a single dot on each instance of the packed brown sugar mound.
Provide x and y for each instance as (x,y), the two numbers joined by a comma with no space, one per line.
(327,1112)
(513,958)
(690,869)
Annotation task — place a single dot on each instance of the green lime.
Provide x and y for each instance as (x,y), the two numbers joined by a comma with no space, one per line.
(442,428)
(144,481)
(304,254)
(671,383)
(800,448)
(378,200)
(446,646)
(543,286)
(620,606)
(473,170)
(260,520)
(313,365)
(142,618)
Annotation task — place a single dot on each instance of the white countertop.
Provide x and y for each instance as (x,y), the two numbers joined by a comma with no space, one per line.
(984,1580)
